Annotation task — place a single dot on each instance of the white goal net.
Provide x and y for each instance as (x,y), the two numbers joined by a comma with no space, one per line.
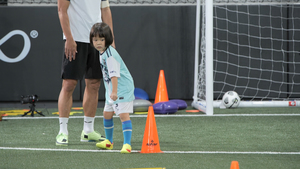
(256,46)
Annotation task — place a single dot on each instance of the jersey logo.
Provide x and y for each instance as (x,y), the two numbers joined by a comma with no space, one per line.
(104,71)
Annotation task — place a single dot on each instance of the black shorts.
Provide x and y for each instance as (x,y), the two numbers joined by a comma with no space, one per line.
(86,64)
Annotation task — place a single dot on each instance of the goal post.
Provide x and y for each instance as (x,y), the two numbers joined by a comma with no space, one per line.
(248,46)
(207,62)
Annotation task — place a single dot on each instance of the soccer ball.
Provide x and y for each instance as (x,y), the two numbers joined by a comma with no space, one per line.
(231,99)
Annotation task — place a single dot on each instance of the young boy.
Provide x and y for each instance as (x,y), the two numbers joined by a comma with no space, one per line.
(119,87)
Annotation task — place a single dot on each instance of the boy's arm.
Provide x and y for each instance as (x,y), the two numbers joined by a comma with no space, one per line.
(114,93)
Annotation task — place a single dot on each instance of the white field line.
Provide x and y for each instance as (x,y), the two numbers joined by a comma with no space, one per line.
(170,152)
(137,151)
(157,116)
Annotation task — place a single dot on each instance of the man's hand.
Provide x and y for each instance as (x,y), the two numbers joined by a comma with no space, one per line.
(70,49)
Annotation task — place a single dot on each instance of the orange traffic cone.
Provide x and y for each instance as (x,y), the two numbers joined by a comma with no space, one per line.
(234,165)
(150,140)
(161,90)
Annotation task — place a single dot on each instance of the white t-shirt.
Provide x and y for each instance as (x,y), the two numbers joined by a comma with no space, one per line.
(83,14)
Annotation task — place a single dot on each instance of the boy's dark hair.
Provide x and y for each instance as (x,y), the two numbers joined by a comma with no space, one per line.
(102,30)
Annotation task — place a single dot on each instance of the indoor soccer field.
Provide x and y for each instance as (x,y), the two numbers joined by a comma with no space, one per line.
(205,47)
(258,138)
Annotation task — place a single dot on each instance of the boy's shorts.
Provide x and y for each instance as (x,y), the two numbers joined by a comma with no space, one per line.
(86,64)
(123,107)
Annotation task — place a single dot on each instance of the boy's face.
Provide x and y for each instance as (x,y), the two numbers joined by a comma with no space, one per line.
(99,43)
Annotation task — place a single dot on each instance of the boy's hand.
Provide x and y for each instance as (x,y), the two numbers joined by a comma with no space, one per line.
(114,96)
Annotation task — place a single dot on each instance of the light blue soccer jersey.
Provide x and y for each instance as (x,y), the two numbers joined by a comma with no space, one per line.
(112,65)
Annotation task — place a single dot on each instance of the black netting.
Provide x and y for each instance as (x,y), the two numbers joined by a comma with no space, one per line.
(110,1)
(32,1)
(3,2)
(155,1)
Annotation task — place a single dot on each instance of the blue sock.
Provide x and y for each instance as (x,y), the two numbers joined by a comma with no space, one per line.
(109,129)
(127,131)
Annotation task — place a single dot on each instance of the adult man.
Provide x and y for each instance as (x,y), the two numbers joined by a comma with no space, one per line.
(80,60)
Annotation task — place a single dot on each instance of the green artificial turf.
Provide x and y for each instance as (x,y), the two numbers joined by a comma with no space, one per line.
(194,141)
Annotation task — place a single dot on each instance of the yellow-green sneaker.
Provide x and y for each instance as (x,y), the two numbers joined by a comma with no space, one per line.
(62,139)
(106,144)
(126,149)
(91,137)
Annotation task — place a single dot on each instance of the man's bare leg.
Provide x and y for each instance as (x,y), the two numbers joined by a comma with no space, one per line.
(90,103)
(65,99)
(90,97)
(65,102)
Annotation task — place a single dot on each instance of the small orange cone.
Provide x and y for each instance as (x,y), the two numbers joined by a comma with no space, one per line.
(150,140)
(234,165)
(161,90)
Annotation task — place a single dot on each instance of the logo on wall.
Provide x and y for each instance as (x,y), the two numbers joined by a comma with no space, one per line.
(26,48)
(292,103)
